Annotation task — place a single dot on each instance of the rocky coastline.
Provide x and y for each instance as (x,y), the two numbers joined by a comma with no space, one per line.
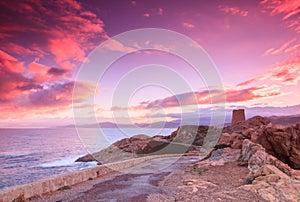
(271,152)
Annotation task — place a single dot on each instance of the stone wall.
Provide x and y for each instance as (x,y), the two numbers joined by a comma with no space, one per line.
(53,184)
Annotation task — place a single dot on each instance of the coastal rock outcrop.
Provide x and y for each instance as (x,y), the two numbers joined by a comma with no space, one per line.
(184,139)
(273,180)
(248,126)
(281,142)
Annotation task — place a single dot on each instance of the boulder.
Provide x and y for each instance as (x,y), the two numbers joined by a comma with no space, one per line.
(281,142)
(236,140)
(224,139)
(273,180)
(86,158)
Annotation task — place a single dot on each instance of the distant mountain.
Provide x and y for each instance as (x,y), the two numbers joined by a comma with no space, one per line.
(171,124)
(285,120)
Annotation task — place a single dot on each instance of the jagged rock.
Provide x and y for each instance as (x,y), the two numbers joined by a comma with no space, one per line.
(224,139)
(274,180)
(236,140)
(256,156)
(271,169)
(247,133)
(275,189)
(281,142)
(240,127)
(222,156)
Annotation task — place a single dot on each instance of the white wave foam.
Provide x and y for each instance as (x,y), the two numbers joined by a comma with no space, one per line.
(65,162)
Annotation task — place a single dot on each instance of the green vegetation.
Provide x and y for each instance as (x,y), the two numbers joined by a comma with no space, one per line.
(20,198)
(64,188)
(250,179)
(33,197)
(195,168)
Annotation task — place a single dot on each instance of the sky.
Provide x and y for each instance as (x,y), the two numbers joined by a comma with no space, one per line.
(254,45)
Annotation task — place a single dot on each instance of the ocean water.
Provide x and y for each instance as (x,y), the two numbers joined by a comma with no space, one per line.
(27,155)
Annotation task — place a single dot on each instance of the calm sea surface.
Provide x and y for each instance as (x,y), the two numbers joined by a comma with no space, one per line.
(27,155)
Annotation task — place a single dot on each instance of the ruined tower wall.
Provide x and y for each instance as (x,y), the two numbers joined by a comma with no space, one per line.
(238,115)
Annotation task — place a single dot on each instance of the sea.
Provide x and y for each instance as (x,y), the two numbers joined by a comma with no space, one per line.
(31,154)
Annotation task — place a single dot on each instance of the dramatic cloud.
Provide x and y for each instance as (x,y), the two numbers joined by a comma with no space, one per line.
(289,9)
(206,97)
(11,79)
(33,35)
(68,41)
(287,73)
(44,43)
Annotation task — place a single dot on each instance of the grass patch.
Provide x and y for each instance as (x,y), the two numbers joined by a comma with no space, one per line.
(196,169)
(20,198)
(200,171)
(250,179)
(64,188)
(33,197)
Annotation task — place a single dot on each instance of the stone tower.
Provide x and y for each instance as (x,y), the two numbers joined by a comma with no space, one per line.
(238,115)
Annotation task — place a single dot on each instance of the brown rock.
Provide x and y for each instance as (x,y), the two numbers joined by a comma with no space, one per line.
(86,158)
(236,140)
(275,181)
(224,139)
(271,169)
(247,133)
(189,134)
(281,142)
(254,123)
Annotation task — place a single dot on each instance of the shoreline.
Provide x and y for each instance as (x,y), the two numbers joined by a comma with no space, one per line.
(58,182)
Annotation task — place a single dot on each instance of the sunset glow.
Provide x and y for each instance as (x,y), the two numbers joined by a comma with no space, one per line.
(255,46)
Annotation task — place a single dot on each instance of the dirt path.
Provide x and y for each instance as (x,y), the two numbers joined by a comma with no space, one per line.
(133,184)
(181,181)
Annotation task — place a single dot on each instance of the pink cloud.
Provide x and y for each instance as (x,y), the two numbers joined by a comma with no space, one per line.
(289,9)
(287,73)
(233,10)
(68,40)
(66,49)
(19,50)
(188,25)
(44,100)
(206,97)
(38,71)
(11,79)
(10,63)
(283,48)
